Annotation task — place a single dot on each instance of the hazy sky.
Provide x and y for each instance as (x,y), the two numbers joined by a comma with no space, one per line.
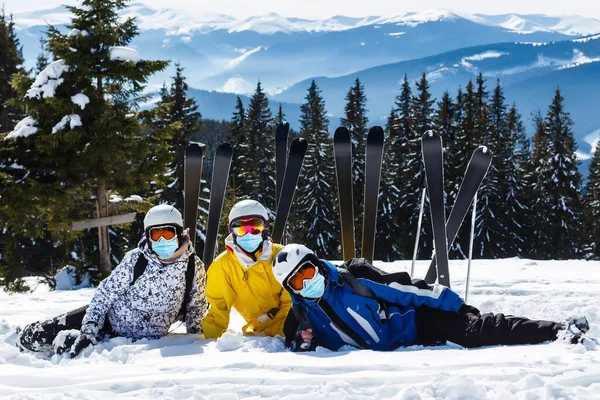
(327,8)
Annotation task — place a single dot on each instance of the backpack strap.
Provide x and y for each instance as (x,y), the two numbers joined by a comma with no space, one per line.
(189,282)
(354,284)
(140,267)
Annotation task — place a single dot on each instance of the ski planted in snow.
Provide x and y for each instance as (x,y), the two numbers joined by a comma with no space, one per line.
(281,149)
(433,160)
(220,176)
(373,164)
(476,171)
(288,187)
(342,150)
(192,173)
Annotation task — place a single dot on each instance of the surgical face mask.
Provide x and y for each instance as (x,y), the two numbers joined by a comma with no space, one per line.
(165,248)
(314,288)
(249,242)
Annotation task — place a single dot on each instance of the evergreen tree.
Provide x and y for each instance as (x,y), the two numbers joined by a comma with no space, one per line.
(259,178)
(280,116)
(415,114)
(317,223)
(400,128)
(486,232)
(387,243)
(514,209)
(592,209)
(539,176)
(565,216)
(355,119)
(11,63)
(182,110)
(83,124)
(240,148)
(41,62)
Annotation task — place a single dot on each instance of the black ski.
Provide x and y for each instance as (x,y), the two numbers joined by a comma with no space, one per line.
(373,163)
(281,148)
(220,176)
(433,160)
(288,188)
(342,149)
(476,171)
(192,167)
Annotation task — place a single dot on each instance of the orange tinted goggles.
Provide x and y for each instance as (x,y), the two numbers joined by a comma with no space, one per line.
(167,232)
(306,271)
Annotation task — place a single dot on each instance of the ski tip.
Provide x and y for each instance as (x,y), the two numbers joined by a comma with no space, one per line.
(430,134)
(299,143)
(282,129)
(225,148)
(193,149)
(375,134)
(341,133)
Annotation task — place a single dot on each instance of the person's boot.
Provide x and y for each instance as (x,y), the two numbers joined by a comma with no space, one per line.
(38,336)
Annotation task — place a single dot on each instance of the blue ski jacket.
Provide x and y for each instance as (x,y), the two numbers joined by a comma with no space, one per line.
(342,317)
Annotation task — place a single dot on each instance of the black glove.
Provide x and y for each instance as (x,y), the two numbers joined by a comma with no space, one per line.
(466,309)
(301,345)
(86,338)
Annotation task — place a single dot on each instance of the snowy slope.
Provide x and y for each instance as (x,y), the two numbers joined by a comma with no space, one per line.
(182,366)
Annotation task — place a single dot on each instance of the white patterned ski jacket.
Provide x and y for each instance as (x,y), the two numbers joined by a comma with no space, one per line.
(149,307)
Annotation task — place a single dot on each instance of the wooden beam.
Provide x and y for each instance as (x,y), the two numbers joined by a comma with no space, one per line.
(112,220)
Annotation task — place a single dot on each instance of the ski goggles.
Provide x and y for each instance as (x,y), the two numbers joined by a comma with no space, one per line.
(306,271)
(168,232)
(242,226)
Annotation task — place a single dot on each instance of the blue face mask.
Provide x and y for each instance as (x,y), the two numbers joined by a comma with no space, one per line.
(314,288)
(165,248)
(250,242)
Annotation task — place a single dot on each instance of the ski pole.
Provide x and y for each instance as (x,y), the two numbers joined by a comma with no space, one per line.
(471,245)
(412,267)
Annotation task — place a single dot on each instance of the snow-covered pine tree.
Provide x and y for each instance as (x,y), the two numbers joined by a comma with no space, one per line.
(182,110)
(446,120)
(539,178)
(492,130)
(240,149)
(416,116)
(513,214)
(387,243)
(400,128)
(259,178)
(11,63)
(22,251)
(565,216)
(41,62)
(592,209)
(355,119)
(83,123)
(315,218)
(484,244)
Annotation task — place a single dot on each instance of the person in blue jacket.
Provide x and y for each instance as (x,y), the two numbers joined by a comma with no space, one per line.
(361,306)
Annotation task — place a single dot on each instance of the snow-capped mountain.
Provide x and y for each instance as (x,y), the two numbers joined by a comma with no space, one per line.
(178,21)
(224,56)
(529,73)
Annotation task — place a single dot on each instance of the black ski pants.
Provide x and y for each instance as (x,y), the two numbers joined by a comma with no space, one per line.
(435,326)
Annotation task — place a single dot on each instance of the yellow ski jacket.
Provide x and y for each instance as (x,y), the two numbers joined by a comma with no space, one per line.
(235,280)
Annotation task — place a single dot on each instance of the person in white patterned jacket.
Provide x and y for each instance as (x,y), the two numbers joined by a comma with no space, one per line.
(157,283)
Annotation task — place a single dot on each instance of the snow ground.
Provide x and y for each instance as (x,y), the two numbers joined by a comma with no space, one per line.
(188,367)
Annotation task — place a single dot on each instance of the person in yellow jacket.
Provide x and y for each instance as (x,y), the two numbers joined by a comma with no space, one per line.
(242,277)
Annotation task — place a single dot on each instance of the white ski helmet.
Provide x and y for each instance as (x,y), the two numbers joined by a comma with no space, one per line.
(248,208)
(161,215)
(289,259)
